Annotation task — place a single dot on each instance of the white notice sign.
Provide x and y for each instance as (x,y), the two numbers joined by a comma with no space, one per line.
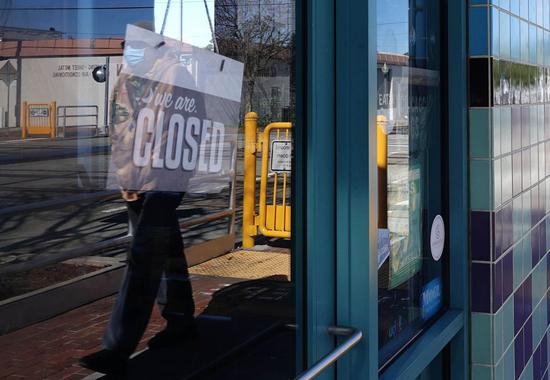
(39,112)
(281,156)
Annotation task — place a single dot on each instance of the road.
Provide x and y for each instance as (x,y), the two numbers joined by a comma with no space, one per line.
(53,199)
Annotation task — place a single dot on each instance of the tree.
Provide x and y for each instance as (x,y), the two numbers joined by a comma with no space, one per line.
(246,33)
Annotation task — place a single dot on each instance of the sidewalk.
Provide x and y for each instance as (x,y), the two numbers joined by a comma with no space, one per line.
(51,349)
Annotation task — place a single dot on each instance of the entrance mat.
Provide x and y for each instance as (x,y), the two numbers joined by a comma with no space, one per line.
(246,265)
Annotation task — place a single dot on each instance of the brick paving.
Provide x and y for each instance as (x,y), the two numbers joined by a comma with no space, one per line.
(50,349)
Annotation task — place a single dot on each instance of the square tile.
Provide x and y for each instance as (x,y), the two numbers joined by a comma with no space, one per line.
(508,363)
(517,205)
(479,82)
(540,123)
(524,36)
(480,242)
(526,127)
(506,178)
(496,131)
(480,185)
(507,323)
(528,338)
(528,296)
(482,372)
(519,309)
(480,124)
(504,34)
(497,183)
(498,291)
(519,354)
(516,127)
(535,246)
(518,265)
(497,234)
(533,127)
(516,173)
(534,164)
(508,275)
(506,129)
(526,168)
(478,31)
(527,254)
(507,213)
(481,287)
(482,332)
(534,206)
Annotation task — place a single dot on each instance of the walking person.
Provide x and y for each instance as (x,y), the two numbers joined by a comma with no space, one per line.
(155,259)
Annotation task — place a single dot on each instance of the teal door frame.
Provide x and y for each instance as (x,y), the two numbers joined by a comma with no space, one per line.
(335,215)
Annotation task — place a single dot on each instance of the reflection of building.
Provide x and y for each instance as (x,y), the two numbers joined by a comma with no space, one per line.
(58,70)
(393,88)
(260,34)
(10,33)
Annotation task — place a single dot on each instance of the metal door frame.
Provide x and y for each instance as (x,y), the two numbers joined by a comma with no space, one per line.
(336,190)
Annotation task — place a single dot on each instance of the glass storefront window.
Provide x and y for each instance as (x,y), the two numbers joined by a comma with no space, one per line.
(411,255)
(123,146)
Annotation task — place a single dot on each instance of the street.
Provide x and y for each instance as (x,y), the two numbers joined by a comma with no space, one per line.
(53,200)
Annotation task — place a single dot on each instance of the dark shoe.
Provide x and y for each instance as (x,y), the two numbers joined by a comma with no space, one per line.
(105,361)
(173,337)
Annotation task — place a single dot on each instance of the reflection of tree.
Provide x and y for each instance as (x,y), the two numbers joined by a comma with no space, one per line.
(258,40)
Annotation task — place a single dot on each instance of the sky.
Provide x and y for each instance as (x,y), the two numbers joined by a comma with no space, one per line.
(393,26)
(108,18)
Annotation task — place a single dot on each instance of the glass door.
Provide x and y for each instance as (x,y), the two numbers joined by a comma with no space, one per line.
(133,137)
(412,256)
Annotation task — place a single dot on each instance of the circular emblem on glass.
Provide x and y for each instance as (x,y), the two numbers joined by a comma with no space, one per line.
(437,237)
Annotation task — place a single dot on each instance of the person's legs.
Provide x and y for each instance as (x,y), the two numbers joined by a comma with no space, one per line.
(154,240)
(178,307)
(176,297)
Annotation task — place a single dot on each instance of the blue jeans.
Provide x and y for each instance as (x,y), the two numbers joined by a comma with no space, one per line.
(155,259)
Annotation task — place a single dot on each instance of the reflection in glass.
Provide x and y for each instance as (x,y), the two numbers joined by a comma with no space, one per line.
(59,221)
(410,288)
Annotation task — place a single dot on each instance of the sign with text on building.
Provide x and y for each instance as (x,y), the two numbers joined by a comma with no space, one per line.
(173,123)
(281,156)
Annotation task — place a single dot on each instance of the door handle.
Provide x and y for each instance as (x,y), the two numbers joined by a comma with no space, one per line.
(353,335)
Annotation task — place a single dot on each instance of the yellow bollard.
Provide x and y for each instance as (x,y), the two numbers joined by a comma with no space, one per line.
(382,161)
(249,226)
(24,121)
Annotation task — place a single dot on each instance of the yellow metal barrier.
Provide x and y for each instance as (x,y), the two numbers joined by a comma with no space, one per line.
(38,119)
(273,216)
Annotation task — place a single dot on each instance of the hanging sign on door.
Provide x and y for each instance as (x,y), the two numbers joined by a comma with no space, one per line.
(174,121)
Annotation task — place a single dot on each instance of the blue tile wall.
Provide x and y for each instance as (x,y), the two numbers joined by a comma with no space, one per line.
(509,145)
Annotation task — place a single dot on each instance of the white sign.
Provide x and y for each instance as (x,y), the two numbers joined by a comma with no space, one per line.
(39,112)
(281,156)
(173,124)
(437,237)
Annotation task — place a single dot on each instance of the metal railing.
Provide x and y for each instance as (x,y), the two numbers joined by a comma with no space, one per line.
(228,213)
(354,337)
(83,113)
(273,217)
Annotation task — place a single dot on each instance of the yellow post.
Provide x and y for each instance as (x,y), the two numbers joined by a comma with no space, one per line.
(24,121)
(53,119)
(249,197)
(382,161)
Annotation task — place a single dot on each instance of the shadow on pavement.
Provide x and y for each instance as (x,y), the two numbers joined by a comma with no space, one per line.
(243,334)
